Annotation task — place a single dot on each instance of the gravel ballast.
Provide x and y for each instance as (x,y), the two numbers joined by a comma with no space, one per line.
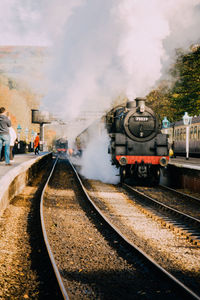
(25,271)
(170,250)
(92,261)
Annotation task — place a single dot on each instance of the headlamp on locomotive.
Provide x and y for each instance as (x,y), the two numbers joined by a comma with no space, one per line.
(137,146)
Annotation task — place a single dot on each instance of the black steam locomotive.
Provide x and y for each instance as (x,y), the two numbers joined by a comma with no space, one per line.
(137,146)
(61,146)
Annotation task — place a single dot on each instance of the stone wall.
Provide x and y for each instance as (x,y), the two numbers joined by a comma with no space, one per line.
(184,178)
(17,178)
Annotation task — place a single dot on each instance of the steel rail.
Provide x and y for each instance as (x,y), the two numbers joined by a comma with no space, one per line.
(186,196)
(140,251)
(51,256)
(179,213)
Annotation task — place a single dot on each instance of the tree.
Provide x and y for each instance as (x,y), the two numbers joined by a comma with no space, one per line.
(159,100)
(19,103)
(185,94)
(182,92)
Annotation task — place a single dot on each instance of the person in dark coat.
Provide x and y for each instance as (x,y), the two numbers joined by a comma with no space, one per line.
(5,123)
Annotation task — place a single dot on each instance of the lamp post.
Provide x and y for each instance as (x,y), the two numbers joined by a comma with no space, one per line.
(18,135)
(187,120)
(26,135)
(165,124)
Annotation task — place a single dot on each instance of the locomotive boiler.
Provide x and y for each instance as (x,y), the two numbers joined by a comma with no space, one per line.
(137,146)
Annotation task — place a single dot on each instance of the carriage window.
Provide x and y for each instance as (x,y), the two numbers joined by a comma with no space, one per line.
(195,133)
(198,133)
(173,134)
(178,135)
(181,134)
(184,134)
(191,133)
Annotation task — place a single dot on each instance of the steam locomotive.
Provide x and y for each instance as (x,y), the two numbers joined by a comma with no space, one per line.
(137,146)
(61,146)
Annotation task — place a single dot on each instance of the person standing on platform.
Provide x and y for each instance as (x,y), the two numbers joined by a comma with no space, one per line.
(13,137)
(5,123)
(37,144)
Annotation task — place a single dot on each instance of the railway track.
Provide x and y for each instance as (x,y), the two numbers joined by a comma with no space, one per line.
(181,194)
(173,209)
(92,258)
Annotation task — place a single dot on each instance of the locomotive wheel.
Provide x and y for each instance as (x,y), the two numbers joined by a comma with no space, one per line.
(155,179)
(122,174)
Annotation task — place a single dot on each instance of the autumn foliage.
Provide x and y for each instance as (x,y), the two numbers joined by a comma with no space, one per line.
(181,92)
(18,102)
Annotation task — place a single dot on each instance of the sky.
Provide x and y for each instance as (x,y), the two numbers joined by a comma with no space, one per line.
(99,50)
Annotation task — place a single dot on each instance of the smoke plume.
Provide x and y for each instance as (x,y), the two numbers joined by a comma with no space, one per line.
(95,162)
(100,50)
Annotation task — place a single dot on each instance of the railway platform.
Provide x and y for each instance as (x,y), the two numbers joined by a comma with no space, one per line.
(13,178)
(181,162)
(183,174)
(18,160)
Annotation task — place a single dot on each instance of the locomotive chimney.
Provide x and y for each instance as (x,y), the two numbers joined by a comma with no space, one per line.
(140,103)
(131,101)
(131,104)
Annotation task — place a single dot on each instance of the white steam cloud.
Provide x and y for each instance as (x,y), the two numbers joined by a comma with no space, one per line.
(100,49)
(95,161)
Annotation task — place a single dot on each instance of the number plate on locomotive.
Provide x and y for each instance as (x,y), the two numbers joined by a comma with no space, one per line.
(141,119)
